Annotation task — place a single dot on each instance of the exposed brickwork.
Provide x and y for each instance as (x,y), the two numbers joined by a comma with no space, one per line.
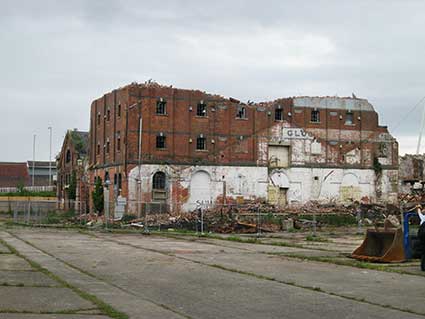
(349,138)
(73,160)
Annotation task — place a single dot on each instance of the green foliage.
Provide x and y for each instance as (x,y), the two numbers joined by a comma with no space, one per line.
(20,187)
(52,218)
(128,217)
(55,217)
(333,219)
(78,142)
(377,167)
(28,193)
(98,200)
(72,190)
(315,238)
(270,218)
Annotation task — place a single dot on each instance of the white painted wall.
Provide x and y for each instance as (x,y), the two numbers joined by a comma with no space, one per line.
(252,182)
(246,182)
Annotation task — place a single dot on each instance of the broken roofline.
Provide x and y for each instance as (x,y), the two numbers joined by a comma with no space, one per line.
(320,102)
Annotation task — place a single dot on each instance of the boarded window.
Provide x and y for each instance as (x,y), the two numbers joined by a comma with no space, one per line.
(278,156)
(241,145)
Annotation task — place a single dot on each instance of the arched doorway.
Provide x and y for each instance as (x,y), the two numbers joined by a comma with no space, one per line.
(200,189)
(159,193)
(350,188)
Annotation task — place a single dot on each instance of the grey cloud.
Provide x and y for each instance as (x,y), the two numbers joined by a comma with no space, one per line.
(57,56)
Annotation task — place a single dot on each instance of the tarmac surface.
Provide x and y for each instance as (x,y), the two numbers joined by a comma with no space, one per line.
(46,274)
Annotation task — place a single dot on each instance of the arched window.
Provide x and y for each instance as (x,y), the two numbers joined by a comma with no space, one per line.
(68,156)
(158,181)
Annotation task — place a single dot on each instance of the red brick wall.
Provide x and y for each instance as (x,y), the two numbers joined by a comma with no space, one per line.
(223,131)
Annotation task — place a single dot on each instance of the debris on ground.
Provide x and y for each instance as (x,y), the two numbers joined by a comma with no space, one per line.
(260,217)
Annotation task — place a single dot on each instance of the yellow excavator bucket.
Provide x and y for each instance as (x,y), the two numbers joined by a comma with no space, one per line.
(381,245)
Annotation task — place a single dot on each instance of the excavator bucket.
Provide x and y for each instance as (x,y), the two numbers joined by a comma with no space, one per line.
(381,245)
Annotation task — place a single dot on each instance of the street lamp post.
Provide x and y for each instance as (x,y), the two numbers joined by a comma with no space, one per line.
(33,160)
(50,157)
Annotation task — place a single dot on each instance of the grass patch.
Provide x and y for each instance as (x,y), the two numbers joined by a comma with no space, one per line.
(316,239)
(241,240)
(29,194)
(333,219)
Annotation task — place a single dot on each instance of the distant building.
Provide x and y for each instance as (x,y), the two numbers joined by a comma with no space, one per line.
(14,174)
(42,173)
(180,148)
(72,188)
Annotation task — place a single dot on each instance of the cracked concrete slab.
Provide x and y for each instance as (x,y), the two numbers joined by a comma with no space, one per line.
(26,278)
(190,288)
(41,299)
(4,249)
(13,262)
(48,316)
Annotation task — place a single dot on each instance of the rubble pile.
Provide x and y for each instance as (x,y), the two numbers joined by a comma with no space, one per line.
(254,217)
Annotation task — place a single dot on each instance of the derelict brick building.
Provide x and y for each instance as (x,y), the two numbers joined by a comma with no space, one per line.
(158,144)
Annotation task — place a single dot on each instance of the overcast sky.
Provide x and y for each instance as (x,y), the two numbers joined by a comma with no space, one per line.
(57,56)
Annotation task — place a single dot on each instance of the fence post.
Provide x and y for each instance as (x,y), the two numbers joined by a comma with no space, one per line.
(202,221)
(147,208)
(258,222)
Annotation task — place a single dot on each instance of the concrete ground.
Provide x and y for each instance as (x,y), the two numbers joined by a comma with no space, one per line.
(77,275)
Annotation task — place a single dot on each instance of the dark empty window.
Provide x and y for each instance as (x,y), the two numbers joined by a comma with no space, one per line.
(98,148)
(315,116)
(158,181)
(278,114)
(160,141)
(107,177)
(241,113)
(119,181)
(161,105)
(119,110)
(201,143)
(349,118)
(108,115)
(98,118)
(68,156)
(118,141)
(201,110)
(107,147)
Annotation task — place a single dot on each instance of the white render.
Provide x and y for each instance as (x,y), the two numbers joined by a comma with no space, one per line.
(206,185)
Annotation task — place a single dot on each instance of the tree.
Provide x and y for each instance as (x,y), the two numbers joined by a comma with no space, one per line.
(97,194)
(72,190)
